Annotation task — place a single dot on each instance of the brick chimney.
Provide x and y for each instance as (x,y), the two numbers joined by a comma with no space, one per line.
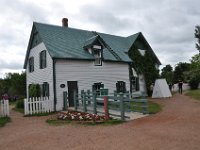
(65,22)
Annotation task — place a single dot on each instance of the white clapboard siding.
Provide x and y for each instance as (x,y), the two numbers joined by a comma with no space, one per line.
(38,105)
(86,73)
(38,76)
(4,106)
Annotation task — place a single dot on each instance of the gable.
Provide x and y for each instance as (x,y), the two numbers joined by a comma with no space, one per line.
(141,44)
(35,38)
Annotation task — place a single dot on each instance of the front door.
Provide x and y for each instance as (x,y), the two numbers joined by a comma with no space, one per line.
(72,86)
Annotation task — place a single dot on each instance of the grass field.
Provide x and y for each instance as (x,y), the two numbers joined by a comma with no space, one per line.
(194,94)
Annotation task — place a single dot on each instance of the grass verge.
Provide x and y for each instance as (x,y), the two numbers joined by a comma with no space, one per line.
(4,120)
(195,94)
(21,110)
(154,107)
(57,122)
(41,114)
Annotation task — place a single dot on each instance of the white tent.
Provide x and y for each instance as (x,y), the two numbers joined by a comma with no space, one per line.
(161,89)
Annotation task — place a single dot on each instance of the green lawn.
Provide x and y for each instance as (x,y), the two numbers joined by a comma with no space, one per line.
(4,120)
(154,107)
(194,94)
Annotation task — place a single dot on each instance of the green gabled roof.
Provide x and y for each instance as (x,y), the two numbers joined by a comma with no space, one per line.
(69,43)
(62,42)
(89,42)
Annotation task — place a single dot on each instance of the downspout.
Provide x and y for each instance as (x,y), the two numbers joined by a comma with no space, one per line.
(54,84)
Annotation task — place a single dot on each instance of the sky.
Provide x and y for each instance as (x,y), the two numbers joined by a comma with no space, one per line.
(167,25)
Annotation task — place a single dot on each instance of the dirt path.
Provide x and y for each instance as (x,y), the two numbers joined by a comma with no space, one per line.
(177,127)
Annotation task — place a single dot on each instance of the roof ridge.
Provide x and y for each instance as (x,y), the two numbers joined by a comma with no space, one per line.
(109,48)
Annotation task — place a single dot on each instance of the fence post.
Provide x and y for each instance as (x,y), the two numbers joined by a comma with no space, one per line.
(115,95)
(8,111)
(84,103)
(145,105)
(1,106)
(25,108)
(4,104)
(122,106)
(75,99)
(88,96)
(82,91)
(94,103)
(106,107)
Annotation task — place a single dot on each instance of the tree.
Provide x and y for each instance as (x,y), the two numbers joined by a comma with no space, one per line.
(180,69)
(195,62)
(14,84)
(197,35)
(194,73)
(167,73)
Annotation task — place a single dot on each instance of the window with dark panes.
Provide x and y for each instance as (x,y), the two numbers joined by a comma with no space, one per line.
(43,61)
(121,87)
(31,64)
(97,56)
(45,89)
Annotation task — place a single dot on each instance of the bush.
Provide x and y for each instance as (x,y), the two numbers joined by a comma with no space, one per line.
(20,104)
(34,90)
(4,120)
(194,83)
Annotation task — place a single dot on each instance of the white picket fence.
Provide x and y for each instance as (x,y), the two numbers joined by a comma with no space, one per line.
(4,106)
(38,105)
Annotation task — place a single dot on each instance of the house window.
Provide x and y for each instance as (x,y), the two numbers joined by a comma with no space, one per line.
(97,56)
(134,84)
(121,86)
(31,64)
(96,87)
(45,89)
(43,63)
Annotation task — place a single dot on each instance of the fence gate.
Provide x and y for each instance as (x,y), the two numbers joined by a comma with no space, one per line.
(4,108)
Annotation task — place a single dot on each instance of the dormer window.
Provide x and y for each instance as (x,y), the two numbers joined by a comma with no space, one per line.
(97,55)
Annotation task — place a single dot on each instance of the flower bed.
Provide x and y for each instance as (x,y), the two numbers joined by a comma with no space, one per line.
(80,116)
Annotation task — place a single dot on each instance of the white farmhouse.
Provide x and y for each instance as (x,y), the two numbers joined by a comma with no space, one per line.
(60,58)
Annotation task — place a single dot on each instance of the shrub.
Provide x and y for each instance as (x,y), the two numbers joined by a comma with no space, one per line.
(20,104)
(194,82)
(4,120)
(34,90)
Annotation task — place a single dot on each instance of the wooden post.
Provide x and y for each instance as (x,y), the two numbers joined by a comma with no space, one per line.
(115,95)
(84,103)
(75,99)
(145,106)
(88,96)
(82,91)
(106,107)
(122,106)
(94,103)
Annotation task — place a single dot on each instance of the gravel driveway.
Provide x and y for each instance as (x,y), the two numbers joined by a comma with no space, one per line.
(177,127)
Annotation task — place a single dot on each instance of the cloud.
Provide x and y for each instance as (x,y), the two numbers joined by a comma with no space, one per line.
(168,25)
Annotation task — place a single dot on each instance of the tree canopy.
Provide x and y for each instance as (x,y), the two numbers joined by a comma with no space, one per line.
(167,73)
(197,36)
(14,84)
